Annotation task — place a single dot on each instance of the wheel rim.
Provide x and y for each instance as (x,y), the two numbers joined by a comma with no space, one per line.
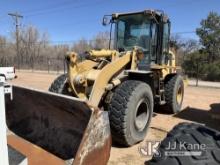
(142,115)
(179,96)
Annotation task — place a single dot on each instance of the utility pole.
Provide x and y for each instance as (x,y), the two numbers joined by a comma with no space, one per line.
(197,72)
(16,17)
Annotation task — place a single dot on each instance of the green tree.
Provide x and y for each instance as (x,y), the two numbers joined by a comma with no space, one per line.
(209,34)
(213,72)
(193,63)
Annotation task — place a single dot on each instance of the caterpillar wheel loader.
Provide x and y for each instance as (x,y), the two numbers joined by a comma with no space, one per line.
(111,93)
(129,80)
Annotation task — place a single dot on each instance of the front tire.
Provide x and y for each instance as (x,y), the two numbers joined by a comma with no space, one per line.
(130,112)
(60,85)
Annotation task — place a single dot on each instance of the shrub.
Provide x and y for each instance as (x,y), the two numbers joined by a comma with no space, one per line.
(213,72)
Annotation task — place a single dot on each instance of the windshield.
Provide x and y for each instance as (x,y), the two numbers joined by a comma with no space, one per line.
(133,30)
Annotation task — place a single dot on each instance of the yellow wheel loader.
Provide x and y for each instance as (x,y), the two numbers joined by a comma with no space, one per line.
(112,92)
(130,79)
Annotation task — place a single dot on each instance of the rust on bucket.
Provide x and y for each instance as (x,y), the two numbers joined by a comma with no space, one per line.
(64,126)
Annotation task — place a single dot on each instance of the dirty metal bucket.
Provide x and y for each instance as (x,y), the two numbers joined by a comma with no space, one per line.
(64,126)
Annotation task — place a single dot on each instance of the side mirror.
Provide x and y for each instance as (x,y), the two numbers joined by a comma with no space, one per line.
(106,20)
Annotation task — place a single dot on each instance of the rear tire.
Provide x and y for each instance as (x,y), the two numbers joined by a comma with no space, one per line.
(174,92)
(59,85)
(130,112)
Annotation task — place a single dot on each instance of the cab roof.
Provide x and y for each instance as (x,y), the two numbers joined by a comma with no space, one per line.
(155,13)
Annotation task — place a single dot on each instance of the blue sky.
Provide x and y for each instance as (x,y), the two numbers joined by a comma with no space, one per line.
(69,20)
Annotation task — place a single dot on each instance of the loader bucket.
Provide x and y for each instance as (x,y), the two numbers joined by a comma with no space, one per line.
(64,126)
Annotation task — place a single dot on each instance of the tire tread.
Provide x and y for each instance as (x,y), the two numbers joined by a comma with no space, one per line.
(204,135)
(118,110)
(58,85)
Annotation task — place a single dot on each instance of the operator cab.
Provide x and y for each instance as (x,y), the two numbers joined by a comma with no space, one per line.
(149,30)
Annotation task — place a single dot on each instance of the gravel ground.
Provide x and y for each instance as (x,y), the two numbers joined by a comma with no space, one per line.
(201,104)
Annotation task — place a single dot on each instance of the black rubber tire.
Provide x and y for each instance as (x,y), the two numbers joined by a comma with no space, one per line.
(127,119)
(59,85)
(191,134)
(171,89)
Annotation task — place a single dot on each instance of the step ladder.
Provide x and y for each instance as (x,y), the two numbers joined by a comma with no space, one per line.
(161,92)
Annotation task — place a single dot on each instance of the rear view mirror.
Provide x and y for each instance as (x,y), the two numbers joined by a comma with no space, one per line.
(106,20)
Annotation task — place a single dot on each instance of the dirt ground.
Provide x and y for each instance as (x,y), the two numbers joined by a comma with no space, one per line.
(200,105)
